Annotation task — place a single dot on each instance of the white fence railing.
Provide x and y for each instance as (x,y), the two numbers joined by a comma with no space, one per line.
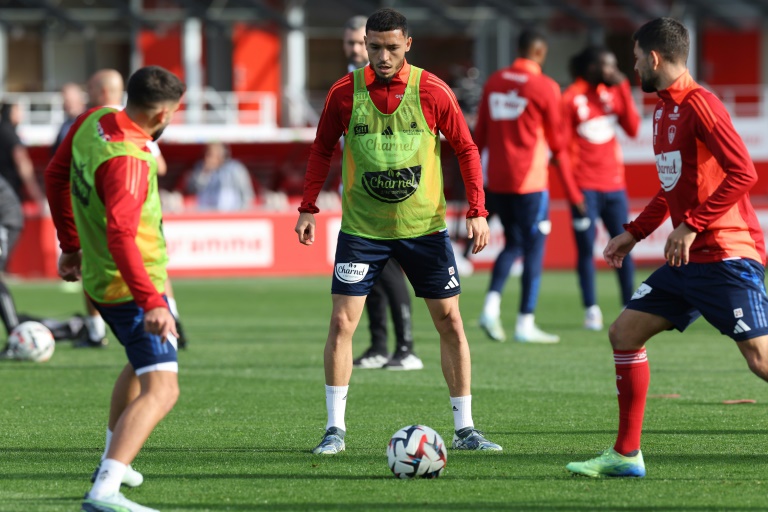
(253,116)
(740,100)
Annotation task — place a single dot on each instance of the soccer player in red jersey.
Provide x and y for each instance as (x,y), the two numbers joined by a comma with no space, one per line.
(518,123)
(715,254)
(102,190)
(391,115)
(598,100)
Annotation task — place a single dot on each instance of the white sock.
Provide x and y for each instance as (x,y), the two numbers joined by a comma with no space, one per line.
(336,404)
(106,448)
(172,306)
(108,480)
(492,306)
(96,327)
(524,321)
(462,412)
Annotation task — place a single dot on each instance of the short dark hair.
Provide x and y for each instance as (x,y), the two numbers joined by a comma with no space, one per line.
(528,38)
(580,63)
(355,23)
(152,85)
(387,20)
(667,36)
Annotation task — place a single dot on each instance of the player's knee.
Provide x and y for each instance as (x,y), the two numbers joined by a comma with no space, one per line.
(449,324)
(615,335)
(342,325)
(758,366)
(622,338)
(166,396)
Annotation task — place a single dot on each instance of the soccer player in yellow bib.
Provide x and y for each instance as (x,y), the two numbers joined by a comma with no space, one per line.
(391,115)
(102,189)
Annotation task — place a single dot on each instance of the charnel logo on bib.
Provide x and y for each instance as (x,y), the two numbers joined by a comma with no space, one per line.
(351,272)
(392,186)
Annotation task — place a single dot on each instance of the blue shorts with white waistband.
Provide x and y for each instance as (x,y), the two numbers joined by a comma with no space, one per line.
(146,352)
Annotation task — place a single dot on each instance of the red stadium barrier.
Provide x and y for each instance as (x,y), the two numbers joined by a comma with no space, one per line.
(257,243)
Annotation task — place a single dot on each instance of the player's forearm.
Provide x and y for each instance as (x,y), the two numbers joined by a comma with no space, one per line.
(562,164)
(654,214)
(629,117)
(27,172)
(60,202)
(472,176)
(130,263)
(318,167)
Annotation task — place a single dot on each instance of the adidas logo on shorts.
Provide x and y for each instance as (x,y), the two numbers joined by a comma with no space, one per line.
(453,283)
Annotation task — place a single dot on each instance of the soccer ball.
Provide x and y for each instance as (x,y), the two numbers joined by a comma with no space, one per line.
(31,341)
(416,450)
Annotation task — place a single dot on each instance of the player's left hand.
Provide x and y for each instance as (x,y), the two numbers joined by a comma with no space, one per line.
(581,208)
(478,230)
(69,265)
(679,241)
(615,78)
(305,228)
(160,321)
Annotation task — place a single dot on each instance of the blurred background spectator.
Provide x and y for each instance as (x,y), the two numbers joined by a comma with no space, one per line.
(73,104)
(15,165)
(220,182)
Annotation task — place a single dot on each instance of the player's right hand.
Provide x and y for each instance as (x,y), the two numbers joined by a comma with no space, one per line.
(618,248)
(69,265)
(305,228)
(581,208)
(478,231)
(160,321)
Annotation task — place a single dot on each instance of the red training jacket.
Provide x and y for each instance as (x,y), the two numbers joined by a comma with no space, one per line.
(590,115)
(519,116)
(705,174)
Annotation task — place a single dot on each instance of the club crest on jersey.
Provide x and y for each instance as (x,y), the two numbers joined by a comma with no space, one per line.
(351,272)
(671,133)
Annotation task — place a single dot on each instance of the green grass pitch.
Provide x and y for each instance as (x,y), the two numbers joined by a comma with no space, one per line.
(252,406)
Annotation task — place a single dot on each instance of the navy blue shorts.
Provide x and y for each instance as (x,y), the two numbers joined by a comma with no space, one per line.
(427,261)
(729,294)
(146,352)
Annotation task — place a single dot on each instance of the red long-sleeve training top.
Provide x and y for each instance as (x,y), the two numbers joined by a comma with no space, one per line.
(590,116)
(518,123)
(705,174)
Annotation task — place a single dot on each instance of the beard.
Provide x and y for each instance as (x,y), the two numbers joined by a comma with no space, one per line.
(157,133)
(648,83)
(385,81)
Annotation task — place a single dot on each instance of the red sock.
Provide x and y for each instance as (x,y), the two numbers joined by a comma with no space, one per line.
(632,378)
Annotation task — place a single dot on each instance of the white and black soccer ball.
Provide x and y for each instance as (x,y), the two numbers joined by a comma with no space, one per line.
(416,451)
(31,341)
